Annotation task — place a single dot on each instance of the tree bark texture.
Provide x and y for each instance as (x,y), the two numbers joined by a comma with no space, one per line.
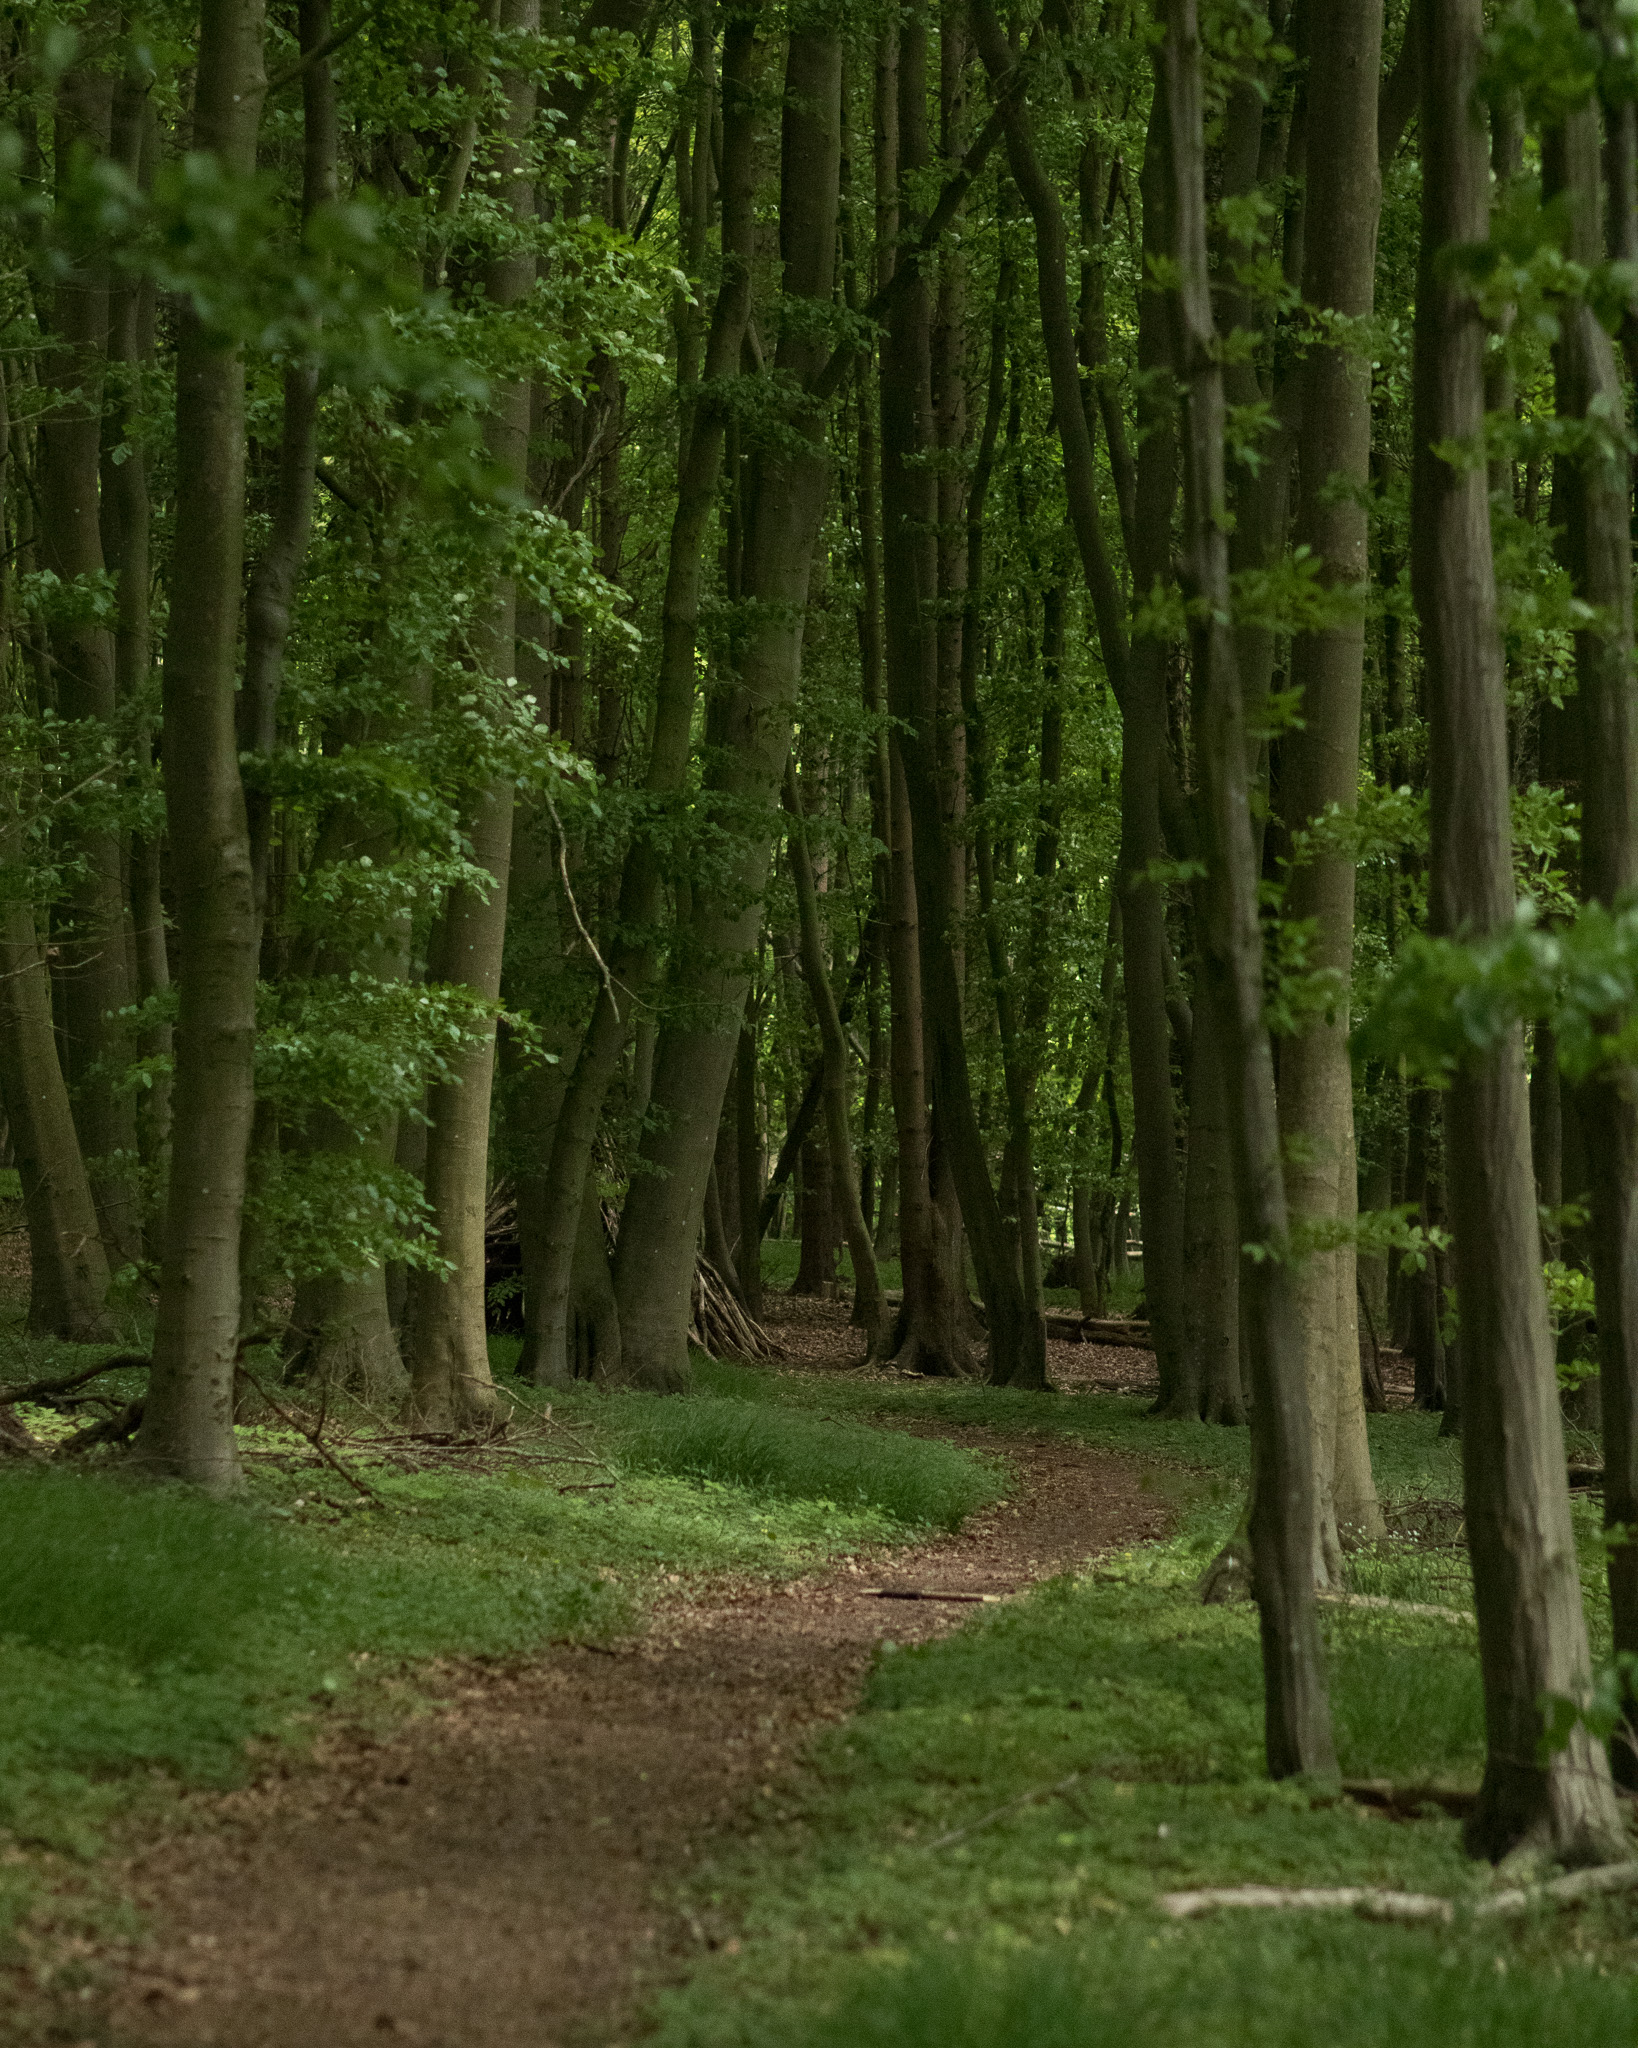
(1599,551)
(1319,761)
(1297,1721)
(750,730)
(1532,1632)
(187,1424)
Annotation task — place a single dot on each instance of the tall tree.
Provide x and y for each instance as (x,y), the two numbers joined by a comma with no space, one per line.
(187,1424)
(1297,1723)
(1532,1632)
(1319,759)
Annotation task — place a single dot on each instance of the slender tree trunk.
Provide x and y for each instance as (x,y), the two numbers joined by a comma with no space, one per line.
(1532,1632)
(868,1306)
(451,1385)
(1297,1728)
(127,517)
(1319,760)
(1600,556)
(187,1425)
(909,496)
(92,958)
(1143,759)
(272,587)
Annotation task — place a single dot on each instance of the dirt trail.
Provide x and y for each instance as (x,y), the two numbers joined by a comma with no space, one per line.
(495,1872)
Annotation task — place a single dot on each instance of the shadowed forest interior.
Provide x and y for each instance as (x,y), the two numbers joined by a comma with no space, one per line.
(814,814)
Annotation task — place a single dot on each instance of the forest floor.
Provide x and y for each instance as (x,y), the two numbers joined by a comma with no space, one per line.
(747,1798)
(504,1867)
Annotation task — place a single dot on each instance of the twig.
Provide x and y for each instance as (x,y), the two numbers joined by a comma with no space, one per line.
(359,1485)
(574,908)
(1056,1791)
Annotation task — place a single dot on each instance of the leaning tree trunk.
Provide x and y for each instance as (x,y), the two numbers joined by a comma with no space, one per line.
(659,1230)
(1297,1725)
(1532,1631)
(1599,547)
(549,1278)
(187,1425)
(1319,759)
(451,1386)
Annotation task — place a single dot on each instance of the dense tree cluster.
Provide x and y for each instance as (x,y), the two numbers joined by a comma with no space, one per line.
(958,630)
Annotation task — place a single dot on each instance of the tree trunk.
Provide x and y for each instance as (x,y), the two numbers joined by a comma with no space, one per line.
(451,1386)
(1532,1632)
(642,882)
(868,1307)
(1600,557)
(750,735)
(1297,1726)
(1319,760)
(92,961)
(187,1424)
(1142,760)
(909,499)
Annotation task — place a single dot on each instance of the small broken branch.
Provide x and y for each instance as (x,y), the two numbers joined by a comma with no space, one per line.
(362,1486)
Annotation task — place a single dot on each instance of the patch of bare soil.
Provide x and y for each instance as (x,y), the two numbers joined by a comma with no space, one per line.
(496,1872)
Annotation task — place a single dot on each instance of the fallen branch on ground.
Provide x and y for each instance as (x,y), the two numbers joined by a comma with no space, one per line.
(915,1593)
(1060,1790)
(1373,1904)
(1380,1604)
(43,1390)
(362,1486)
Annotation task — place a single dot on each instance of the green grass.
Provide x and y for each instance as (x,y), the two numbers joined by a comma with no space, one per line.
(857,1924)
(779,1452)
(150,1637)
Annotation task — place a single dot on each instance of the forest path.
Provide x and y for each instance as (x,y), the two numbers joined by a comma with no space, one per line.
(496,1872)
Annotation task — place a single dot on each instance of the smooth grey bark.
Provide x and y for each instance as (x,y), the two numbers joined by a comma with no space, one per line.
(1527,1589)
(1297,1720)
(1319,760)
(187,1423)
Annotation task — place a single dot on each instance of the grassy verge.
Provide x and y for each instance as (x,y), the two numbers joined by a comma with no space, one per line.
(151,1639)
(858,1923)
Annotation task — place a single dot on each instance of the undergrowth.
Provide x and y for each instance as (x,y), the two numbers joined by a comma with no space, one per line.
(150,1637)
(908,1902)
